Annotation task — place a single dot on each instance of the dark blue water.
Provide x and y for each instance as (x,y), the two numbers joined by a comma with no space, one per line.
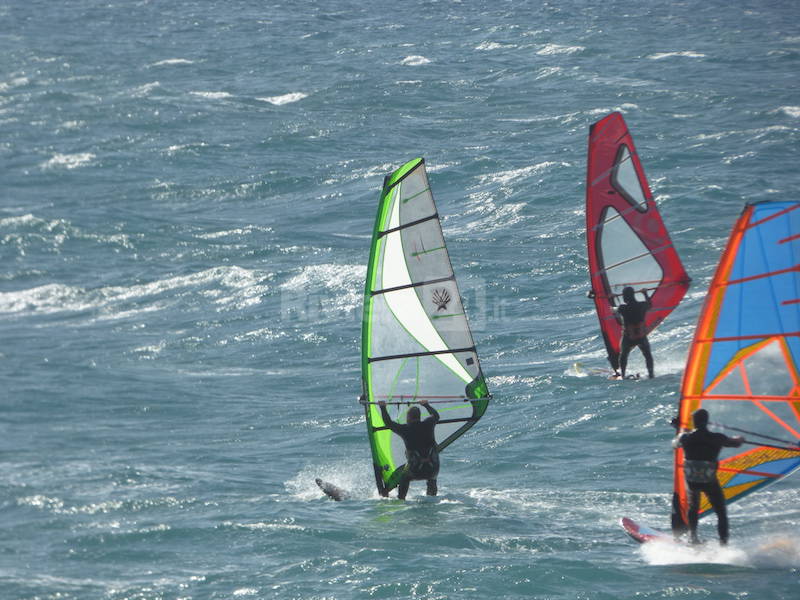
(187,191)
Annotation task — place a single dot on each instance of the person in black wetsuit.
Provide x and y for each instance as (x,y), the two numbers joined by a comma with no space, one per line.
(634,332)
(422,457)
(701,450)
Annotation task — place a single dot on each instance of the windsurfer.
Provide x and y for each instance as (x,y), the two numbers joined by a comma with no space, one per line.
(701,450)
(634,331)
(422,457)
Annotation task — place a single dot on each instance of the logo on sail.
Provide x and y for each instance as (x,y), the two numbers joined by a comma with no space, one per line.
(441,298)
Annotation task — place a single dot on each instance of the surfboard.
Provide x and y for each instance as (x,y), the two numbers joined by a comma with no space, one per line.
(643,533)
(332,491)
(581,370)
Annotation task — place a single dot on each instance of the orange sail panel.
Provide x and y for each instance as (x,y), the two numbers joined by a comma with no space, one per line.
(626,239)
(743,362)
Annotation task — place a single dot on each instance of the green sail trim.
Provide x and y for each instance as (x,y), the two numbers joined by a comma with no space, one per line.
(402,322)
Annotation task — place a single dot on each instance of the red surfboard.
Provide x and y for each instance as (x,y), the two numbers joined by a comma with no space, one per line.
(643,533)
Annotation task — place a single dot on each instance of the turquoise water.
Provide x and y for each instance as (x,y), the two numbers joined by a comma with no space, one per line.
(188,191)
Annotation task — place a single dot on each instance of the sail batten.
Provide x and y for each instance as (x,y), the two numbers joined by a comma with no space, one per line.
(627,242)
(743,362)
(416,340)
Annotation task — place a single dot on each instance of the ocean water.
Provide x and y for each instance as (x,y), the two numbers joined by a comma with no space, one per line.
(187,191)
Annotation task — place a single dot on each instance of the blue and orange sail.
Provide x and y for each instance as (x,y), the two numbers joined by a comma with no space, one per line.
(743,365)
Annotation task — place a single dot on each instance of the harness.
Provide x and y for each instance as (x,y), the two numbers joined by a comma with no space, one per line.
(700,471)
(423,465)
(636,331)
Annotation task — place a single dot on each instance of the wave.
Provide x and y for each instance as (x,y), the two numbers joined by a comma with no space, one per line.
(189,148)
(69,125)
(773,552)
(325,289)
(415,61)
(170,62)
(347,474)
(791,111)
(12,83)
(145,89)
(68,161)
(284,99)
(685,53)
(240,231)
(552,49)
(493,46)
(20,221)
(213,95)
(506,177)
(228,287)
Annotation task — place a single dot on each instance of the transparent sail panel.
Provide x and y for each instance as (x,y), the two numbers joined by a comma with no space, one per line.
(626,259)
(626,181)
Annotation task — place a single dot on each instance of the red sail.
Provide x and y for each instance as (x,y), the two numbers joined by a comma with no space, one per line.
(626,239)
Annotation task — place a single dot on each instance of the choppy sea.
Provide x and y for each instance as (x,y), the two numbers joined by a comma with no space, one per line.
(187,192)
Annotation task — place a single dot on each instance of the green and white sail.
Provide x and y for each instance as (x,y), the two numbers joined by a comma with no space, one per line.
(416,342)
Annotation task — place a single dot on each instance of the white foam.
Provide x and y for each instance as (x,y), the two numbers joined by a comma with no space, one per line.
(72,125)
(145,89)
(324,289)
(284,99)
(285,525)
(685,54)
(244,288)
(621,108)
(792,111)
(506,177)
(171,62)
(49,298)
(240,231)
(57,506)
(12,83)
(775,552)
(735,157)
(344,473)
(27,219)
(414,61)
(189,148)
(68,161)
(492,46)
(547,71)
(552,49)
(212,95)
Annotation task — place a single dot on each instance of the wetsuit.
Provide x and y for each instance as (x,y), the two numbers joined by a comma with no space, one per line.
(701,450)
(422,458)
(634,333)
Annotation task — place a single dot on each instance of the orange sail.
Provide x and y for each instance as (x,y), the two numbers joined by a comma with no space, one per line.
(743,362)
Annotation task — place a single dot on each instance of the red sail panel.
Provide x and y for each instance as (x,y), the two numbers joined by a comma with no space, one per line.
(627,242)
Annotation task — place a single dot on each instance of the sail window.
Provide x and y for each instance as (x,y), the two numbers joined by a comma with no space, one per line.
(626,260)
(626,181)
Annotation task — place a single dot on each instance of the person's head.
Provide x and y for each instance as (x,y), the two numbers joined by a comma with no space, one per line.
(700,417)
(412,416)
(627,294)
